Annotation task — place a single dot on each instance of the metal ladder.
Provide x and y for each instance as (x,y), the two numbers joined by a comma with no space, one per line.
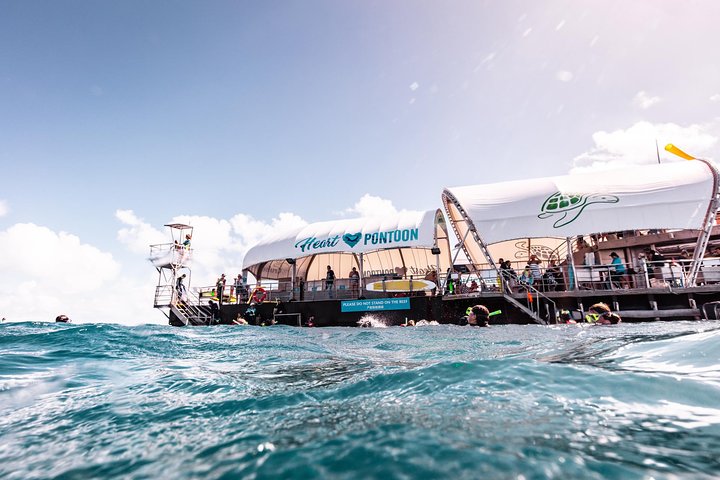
(533,313)
(191,311)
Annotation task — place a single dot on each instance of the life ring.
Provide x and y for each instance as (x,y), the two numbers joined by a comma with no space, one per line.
(259,295)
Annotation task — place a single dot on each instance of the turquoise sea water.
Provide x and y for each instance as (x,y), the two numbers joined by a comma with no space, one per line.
(104,401)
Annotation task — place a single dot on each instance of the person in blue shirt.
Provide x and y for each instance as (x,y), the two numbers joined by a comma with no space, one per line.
(617,273)
(526,277)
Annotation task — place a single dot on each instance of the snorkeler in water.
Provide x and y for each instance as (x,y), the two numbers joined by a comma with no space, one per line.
(477,316)
(600,314)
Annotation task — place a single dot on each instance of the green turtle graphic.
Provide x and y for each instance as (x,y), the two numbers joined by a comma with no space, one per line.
(571,206)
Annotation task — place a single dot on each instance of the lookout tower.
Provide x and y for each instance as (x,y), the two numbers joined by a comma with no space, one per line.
(172,262)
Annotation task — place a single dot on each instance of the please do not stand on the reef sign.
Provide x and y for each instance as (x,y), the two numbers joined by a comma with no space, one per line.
(375,304)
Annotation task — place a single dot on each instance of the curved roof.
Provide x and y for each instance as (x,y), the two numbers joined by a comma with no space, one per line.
(387,243)
(672,195)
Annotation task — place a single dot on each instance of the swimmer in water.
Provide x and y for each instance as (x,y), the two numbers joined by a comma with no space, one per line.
(479,316)
(600,314)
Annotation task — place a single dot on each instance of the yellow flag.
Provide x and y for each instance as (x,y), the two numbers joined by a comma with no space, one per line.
(676,151)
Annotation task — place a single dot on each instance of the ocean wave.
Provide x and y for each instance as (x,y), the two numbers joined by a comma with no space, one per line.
(106,401)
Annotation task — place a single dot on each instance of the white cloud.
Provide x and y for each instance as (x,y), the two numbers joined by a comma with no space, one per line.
(219,245)
(414,86)
(527,32)
(636,145)
(715,98)
(4,209)
(49,271)
(560,25)
(644,101)
(138,235)
(371,206)
(564,76)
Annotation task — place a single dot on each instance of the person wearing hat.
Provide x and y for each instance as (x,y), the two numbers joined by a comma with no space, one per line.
(617,273)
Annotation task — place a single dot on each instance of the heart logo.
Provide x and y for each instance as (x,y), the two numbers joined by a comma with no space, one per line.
(352,238)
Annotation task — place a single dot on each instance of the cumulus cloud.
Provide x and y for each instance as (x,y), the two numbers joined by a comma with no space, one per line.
(371,206)
(46,269)
(50,273)
(636,145)
(715,98)
(3,208)
(137,235)
(644,101)
(219,245)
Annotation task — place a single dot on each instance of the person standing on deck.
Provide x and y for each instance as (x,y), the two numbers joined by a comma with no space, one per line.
(354,282)
(534,264)
(329,280)
(180,288)
(618,272)
(220,288)
(239,289)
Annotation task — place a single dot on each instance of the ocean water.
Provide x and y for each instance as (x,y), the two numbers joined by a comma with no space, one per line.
(437,401)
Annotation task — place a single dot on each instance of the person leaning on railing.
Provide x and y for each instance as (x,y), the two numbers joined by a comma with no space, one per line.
(509,276)
(618,271)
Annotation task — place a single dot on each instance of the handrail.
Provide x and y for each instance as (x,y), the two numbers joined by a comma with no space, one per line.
(170,254)
(533,297)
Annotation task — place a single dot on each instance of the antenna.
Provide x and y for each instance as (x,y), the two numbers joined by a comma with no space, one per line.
(657,150)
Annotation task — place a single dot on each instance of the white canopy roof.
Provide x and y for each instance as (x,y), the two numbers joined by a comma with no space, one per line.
(671,195)
(410,234)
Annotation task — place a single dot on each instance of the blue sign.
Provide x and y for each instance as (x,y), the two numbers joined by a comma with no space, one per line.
(376,304)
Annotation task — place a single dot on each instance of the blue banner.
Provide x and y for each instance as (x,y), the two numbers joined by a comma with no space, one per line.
(402,303)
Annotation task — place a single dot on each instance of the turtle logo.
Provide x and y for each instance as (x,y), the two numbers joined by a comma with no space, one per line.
(570,206)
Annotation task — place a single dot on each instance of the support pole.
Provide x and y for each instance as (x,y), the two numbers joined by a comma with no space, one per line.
(704,237)
(362,277)
(292,284)
(571,263)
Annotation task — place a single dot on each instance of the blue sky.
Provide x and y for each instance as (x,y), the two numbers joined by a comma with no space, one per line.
(116,117)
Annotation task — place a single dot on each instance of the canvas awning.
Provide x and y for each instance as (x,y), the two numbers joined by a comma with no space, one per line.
(394,244)
(666,196)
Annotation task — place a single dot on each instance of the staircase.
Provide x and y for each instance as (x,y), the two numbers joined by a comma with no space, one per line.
(534,298)
(191,312)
